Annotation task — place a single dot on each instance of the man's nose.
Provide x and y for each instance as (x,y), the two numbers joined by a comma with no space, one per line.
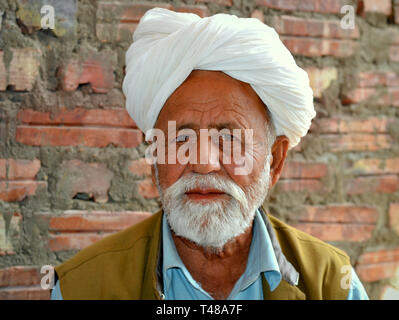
(207,160)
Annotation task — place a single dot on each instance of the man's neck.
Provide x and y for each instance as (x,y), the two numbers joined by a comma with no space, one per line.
(216,271)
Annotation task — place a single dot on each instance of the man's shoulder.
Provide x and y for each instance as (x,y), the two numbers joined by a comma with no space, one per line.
(116,244)
(320,264)
(296,237)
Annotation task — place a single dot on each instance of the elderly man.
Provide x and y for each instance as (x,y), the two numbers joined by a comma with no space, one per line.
(225,76)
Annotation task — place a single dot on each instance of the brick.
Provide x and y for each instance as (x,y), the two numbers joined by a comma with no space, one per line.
(304,170)
(19,276)
(375,166)
(393,35)
(117,117)
(19,169)
(30,293)
(373,79)
(116,21)
(17,179)
(126,12)
(79,126)
(394,217)
(23,70)
(93,179)
(378,265)
(351,125)
(358,95)
(336,231)
(199,10)
(299,185)
(74,136)
(304,27)
(338,213)
(383,255)
(323,6)
(388,97)
(22,283)
(371,6)
(227,3)
(74,241)
(337,222)
(3,73)
(258,14)
(29,16)
(77,229)
(383,87)
(107,32)
(7,234)
(101,221)
(320,79)
(17,190)
(318,47)
(140,167)
(3,169)
(97,69)
(391,98)
(356,142)
(375,272)
(370,79)
(388,183)
(147,189)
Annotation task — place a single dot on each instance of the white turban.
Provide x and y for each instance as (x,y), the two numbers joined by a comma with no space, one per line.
(168,45)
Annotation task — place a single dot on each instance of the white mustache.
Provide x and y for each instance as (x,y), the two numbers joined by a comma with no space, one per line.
(212,224)
(199,181)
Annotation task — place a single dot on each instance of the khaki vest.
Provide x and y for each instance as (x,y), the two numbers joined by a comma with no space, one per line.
(127,264)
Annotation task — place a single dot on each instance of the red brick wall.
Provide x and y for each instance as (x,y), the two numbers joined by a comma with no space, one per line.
(71,159)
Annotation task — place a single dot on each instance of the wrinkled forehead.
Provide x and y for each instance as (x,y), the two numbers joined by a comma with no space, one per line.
(211,98)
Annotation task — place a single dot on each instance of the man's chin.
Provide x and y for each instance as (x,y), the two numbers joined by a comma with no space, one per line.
(209,231)
(207,247)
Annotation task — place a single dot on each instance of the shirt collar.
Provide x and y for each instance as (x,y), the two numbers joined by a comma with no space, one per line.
(261,259)
(171,258)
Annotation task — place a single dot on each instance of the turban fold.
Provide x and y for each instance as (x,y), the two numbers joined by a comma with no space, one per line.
(168,45)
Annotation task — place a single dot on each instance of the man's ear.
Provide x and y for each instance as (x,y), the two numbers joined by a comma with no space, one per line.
(279,153)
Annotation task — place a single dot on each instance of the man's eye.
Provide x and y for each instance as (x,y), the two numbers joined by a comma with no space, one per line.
(182,138)
(227,137)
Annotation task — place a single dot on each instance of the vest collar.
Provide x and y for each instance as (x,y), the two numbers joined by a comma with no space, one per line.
(288,272)
(287,289)
(152,286)
(153,282)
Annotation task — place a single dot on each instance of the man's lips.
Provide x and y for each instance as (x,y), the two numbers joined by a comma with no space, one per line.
(205,194)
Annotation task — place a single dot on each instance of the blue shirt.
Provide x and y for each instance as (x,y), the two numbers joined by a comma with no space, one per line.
(179,284)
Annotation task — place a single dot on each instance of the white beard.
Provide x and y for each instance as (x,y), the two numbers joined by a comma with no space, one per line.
(213,224)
